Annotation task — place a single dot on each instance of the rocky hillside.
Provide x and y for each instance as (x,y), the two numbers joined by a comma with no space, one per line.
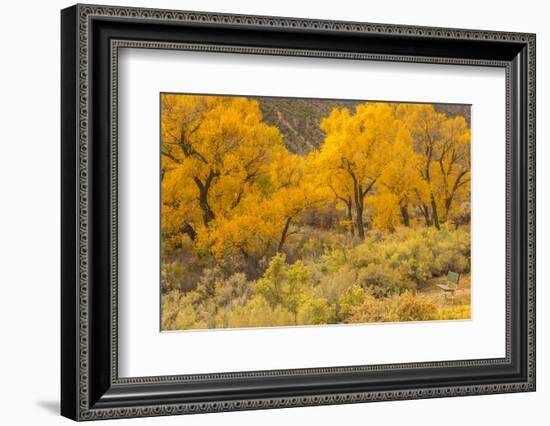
(299,119)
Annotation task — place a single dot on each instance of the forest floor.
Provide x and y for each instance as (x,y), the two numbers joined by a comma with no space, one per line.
(462,296)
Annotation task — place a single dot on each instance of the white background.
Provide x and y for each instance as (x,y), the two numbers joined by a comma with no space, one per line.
(146,352)
(29,225)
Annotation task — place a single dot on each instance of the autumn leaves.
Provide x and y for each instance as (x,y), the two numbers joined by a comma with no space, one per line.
(354,231)
(228,182)
(406,158)
(230,185)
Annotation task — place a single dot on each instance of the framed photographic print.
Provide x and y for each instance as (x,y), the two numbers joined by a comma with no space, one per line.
(263,212)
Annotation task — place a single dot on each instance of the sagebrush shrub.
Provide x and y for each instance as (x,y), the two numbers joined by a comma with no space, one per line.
(384,281)
(404,307)
(380,279)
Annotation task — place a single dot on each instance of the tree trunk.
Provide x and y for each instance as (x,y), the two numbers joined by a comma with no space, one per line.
(358,198)
(207,213)
(434,214)
(448,202)
(350,219)
(426,213)
(405,216)
(359,220)
(284,235)
(190,231)
(449,199)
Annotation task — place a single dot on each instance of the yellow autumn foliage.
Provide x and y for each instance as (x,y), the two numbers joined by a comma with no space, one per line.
(354,231)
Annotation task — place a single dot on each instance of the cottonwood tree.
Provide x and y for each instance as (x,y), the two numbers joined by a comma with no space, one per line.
(213,150)
(454,165)
(229,184)
(443,144)
(293,191)
(399,183)
(355,152)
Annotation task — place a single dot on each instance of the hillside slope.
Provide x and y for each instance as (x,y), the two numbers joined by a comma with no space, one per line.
(299,119)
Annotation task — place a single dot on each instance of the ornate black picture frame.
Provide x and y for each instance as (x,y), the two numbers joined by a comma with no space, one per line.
(91,388)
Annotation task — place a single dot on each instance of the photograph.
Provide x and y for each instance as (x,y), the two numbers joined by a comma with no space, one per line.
(280,211)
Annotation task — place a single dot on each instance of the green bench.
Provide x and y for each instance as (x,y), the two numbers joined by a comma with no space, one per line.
(452,278)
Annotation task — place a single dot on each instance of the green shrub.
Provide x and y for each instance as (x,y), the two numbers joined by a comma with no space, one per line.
(169,309)
(234,291)
(315,311)
(413,259)
(258,313)
(178,312)
(332,286)
(411,307)
(404,307)
(270,286)
(187,318)
(172,277)
(416,254)
(363,307)
(453,252)
(384,281)
(353,297)
(339,279)
(206,286)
